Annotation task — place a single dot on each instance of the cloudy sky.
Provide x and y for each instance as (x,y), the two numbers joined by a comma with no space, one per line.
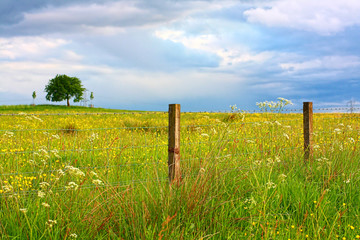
(204,54)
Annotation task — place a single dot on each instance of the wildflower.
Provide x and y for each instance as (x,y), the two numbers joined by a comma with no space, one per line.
(271,185)
(50,223)
(44,185)
(73,235)
(204,135)
(45,204)
(72,185)
(282,177)
(92,173)
(56,153)
(60,172)
(75,171)
(337,130)
(41,194)
(97,182)
(286,136)
(24,210)
(347,181)
(8,134)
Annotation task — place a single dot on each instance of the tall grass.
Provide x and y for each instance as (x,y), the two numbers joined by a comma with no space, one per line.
(242,179)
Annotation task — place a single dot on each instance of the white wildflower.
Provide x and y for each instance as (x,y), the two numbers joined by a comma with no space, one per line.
(93,136)
(61,172)
(41,194)
(24,210)
(204,135)
(322,159)
(282,177)
(270,185)
(92,173)
(7,188)
(56,136)
(74,171)
(50,223)
(97,182)
(44,185)
(337,130)
(45,204)
(72,186)
(347,180)
(8,134)
(56,153)
(73,235)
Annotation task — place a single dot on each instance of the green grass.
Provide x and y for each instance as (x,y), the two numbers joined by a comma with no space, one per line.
(55,108)
(241,178)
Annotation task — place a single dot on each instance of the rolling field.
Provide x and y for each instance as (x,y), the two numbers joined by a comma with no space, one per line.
(82,173)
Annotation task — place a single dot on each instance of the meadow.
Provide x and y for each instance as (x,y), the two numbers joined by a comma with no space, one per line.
(68,173)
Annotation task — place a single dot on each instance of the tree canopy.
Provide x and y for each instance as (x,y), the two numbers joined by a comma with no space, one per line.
(63,87)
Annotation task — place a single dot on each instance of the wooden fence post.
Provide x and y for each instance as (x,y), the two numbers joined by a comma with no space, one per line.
(174,143)
(308,129)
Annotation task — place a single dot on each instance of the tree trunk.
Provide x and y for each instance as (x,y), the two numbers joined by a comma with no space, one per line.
(68,103)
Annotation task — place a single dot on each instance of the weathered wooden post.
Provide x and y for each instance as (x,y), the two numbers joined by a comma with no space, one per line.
(174,143)
(308,129)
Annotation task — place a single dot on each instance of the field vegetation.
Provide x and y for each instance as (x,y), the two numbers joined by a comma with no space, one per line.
(73,172)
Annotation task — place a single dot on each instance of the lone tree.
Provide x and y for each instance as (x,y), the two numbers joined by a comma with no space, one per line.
(63,87)
(91,97)
(34,96)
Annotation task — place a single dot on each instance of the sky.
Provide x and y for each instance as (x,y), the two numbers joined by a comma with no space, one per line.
(205,55)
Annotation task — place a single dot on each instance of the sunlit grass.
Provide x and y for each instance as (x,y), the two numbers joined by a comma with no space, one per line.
(243,177)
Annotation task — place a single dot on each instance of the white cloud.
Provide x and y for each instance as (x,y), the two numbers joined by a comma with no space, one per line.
(230,53)
(320,16)
(109,17)
(12,48)
(327,62)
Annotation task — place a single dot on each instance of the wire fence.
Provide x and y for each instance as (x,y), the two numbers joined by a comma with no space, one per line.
(132,147)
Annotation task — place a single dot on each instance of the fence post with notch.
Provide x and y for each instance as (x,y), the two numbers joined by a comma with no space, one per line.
(174,143)
(308,129)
